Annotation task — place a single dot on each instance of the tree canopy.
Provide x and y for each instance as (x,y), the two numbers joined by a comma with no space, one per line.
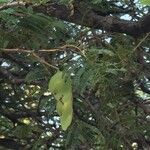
(75,74)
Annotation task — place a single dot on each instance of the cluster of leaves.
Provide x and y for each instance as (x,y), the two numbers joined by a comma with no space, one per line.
(94,96)
(146,2)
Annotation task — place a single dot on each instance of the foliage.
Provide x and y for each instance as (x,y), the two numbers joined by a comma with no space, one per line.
(60,86)
(68,86)
(146,2)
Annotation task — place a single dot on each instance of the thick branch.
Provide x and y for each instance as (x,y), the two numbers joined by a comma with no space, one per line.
(11,4)
(84,16)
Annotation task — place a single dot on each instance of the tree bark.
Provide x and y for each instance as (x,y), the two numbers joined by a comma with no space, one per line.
(82,15)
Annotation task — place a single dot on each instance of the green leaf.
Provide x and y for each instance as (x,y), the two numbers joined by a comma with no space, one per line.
(96,1)
(47,104)
(57,82)
(8,11)
(60,86)
(67,112)
(145,2)
(4,1)
(105,51)
(22,131)
(36,74)
(96,53)
(112,71)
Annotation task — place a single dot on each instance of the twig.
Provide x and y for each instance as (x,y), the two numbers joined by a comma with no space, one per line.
(141,41)
(16,50)
(30,52)
(44,62)
(62,48)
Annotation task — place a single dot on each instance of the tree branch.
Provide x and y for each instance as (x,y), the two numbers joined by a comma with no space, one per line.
(11,4)
(87,17)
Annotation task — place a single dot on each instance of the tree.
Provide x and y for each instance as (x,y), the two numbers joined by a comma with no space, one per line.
(74,74)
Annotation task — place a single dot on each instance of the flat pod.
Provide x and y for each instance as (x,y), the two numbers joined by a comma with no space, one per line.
(56,82)
(61,88)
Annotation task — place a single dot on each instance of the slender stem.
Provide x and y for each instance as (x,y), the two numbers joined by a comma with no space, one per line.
(62,48)
(43,61)
(145,37)
(16,50)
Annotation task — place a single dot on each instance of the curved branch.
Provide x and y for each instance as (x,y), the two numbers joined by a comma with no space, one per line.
(86,17)
(11,4)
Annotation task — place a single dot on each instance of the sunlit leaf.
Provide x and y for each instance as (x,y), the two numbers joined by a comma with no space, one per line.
(145,2)
(57,82)
(4,1)
(60,86)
